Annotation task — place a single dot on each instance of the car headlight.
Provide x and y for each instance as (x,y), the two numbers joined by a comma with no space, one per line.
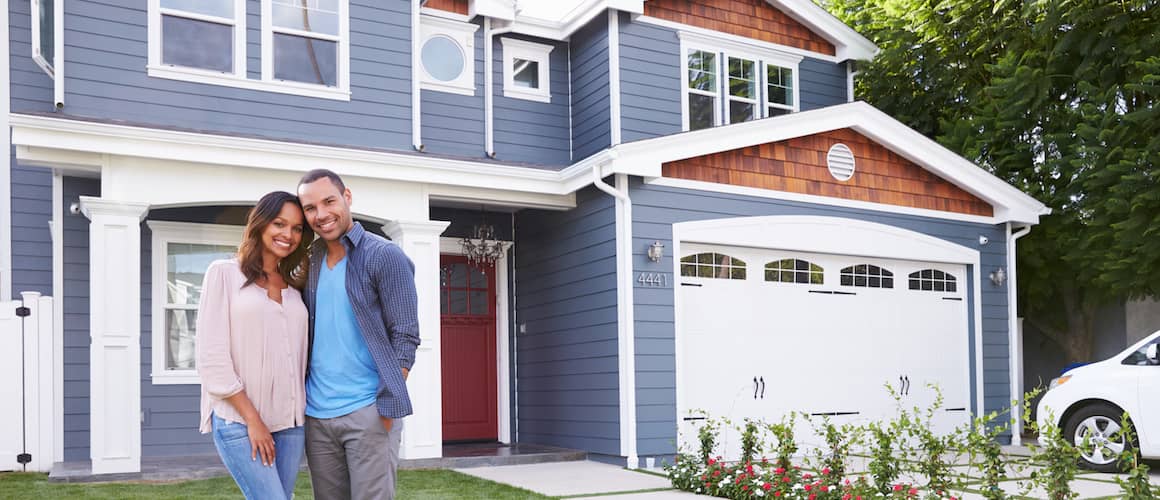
(1058,381)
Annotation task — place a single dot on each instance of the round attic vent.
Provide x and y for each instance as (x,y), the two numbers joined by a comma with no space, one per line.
(840,160)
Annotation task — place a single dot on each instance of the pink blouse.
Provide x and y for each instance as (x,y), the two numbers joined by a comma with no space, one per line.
(245,340)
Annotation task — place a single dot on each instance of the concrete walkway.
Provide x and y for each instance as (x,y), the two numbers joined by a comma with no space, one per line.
(583,478)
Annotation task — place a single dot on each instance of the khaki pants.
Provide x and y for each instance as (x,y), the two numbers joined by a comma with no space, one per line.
(353,456)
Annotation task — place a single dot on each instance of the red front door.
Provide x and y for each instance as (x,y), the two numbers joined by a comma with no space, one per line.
(467,301)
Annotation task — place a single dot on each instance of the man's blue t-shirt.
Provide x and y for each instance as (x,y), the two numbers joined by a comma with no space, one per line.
(343,377)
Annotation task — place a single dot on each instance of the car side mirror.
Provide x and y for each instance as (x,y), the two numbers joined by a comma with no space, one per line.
(1152,354)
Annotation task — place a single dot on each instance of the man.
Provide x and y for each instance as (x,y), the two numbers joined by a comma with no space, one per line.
(364,333)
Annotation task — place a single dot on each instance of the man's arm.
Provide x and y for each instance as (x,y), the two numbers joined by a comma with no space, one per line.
(400,301)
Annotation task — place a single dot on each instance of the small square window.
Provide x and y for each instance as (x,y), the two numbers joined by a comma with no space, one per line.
(526,70)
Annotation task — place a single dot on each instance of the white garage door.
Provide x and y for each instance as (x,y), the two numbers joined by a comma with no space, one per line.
(765,332)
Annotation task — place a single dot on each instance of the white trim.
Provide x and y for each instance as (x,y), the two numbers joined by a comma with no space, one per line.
(762,57)
(816,199)
(416,85)
(451,246)
(848,44)
(342,58)
(277,86)
(1014,335)
(614,75)
(529,51)
(58,54)
(771,53)
(553,29)
(460,33)
(5,166)
(238,24)
(58,312)
(721,38)
(454,16)
(850,75)
(831,235)
(488,89)
(163,233)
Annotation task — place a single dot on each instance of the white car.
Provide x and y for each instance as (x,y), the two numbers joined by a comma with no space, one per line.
(1087,403)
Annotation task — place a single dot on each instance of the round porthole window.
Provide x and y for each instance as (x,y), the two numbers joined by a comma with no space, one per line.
(840,160)
(442,58)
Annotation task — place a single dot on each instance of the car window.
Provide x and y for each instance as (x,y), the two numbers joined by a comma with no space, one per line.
(1140,357)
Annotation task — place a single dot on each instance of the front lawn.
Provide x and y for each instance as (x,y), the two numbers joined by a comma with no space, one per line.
(413,484)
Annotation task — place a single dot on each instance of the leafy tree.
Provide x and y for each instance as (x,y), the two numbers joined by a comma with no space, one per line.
(1057,97)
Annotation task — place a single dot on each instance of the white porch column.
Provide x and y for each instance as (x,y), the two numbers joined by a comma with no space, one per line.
(115,331)
(423,431)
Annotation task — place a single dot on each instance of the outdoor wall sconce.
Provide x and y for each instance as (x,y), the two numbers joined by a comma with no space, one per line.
(998,276)
(655,251)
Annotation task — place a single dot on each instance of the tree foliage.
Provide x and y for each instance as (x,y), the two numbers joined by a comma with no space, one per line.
(1057,97)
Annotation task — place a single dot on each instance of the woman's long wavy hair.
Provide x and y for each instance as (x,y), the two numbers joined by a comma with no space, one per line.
(294,268)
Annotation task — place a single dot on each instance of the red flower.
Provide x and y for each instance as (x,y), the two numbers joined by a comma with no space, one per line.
(913,492)
(779,471)
(807,476)
(749,469)
(809,487)
(745,487)
(898,487)
(777,493)
(825,488)
(813,496)
(847,482)
(846,496)
(785,479)
(767,487)
(717,473)
(797,467)
(764,460)
(711,461)
(825,471)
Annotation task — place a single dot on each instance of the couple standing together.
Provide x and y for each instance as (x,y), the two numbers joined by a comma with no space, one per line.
(324,368)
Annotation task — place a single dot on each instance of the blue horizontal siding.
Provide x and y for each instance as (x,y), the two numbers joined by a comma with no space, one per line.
(590,89)
(656,209)
(822,84)
(453,123)
(30,87)
(565,299)
(31,205)
(76,320)
(531,131)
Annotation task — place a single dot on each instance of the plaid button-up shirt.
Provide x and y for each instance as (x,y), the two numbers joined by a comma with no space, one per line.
(380,281)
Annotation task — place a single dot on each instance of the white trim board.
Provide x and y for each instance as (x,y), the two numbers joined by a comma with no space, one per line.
(451,246)
(5,167)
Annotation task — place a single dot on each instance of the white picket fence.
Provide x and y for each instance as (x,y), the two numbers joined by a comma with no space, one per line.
(27,384)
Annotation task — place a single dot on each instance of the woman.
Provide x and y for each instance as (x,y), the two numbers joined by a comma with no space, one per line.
(252,347)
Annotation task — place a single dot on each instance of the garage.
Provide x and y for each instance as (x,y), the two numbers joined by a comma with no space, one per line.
(766,330)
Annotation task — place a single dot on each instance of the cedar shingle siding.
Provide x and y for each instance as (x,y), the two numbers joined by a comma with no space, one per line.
(748,18)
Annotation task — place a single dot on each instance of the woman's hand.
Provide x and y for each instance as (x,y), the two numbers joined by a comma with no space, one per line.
(261,442)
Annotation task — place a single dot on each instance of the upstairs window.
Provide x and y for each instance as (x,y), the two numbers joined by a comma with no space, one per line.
(932,280)
(525,70)
(447,55)
(206,35)
(44,21)
(712,265)
(302,40)
(730,82)
(794,271)
(867,276)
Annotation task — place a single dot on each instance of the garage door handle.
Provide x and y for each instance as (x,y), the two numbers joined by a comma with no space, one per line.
(762,387)
(691,284)
(689,419)
(956,409)
(754,387)
(907,390)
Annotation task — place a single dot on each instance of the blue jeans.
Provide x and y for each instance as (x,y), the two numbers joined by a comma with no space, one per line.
(257,481)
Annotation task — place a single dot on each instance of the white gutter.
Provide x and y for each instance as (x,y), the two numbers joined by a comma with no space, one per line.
(5,166)
(850,74)
(489,85)
(614,74)
(626,352)
(416,91)
(57,54)
(1014,337)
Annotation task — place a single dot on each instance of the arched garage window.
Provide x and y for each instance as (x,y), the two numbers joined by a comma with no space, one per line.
(932,280)
(867,276)
(794,271)
(712,265)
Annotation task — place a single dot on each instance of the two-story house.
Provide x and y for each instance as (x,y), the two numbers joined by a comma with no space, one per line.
(693,211)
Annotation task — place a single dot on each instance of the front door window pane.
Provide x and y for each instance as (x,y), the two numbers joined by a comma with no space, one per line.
(306,60)
(315,16)
(197,44)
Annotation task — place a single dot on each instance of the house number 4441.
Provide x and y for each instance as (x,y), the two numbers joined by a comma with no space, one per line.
(658,280)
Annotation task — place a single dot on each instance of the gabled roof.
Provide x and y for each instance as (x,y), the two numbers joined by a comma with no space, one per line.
(847,42)
(645,158)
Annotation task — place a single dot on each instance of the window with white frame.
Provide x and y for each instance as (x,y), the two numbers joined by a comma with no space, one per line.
(304,47)
(525,70)
(303,40)
(447,55)
(43,22)
(730,82)
(181,254)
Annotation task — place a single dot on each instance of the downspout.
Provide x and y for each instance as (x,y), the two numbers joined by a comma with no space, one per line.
(416,89)
(489,84)
(1015,337)
(614,75)
(57,54)
(626,352)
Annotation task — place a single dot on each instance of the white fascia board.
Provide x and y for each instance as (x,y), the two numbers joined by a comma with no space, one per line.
(96,139)
(848,44)
(644,158)
(563,28)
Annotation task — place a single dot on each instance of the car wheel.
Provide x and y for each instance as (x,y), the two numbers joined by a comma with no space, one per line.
(1097,425)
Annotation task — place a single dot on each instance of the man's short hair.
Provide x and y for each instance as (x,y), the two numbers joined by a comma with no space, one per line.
(320,173)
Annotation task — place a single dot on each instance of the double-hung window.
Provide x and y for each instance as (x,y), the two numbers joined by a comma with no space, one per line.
(182,252)
(730,82)
(302,40)
(199,36)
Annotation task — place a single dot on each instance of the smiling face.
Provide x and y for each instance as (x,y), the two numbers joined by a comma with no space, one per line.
(283,234)
(327,208)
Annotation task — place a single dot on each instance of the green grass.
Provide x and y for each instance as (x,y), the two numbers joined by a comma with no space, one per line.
(413,484)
